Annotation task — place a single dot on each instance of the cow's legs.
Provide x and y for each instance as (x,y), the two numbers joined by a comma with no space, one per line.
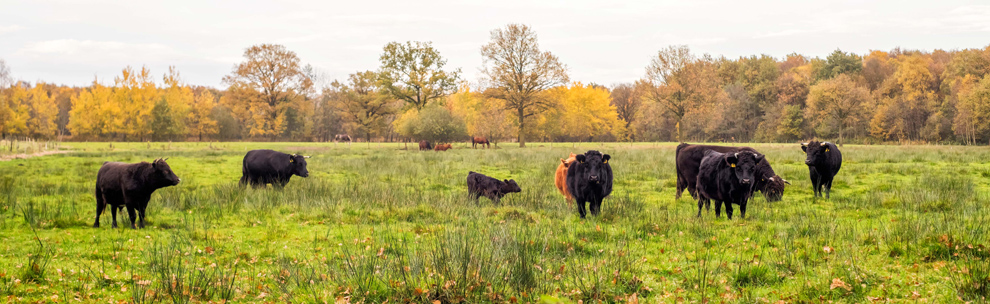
(700,204)
(728,209)
(596,206)
(718,208)
(101,204)
(681,184)
(113,212)
(131,214)
(828,188)
(742,209)
(580,203)
(244,180)
(141,215)
(815,181)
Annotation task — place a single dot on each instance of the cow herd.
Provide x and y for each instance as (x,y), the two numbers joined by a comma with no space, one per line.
(726,175)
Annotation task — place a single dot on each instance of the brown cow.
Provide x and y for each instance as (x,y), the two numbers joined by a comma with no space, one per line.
(560,178)
(480,140)
(442,147)
(425,145)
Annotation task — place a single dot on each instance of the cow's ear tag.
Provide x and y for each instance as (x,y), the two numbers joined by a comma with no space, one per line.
(826,149)
(733,165)
(606,161)
(292,160)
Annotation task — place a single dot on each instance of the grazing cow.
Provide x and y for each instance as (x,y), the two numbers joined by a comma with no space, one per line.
(442,147)
(263,167)
(482,185)
(342,137)
(425,145)
(130,185)
(560,177)
(727,178)
(824,161)
(688,158)
(589,179)
(480,140)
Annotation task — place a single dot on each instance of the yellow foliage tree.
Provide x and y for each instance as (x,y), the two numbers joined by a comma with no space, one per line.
(200,120)
(18,111)
(484,116)
(586,112)
(43,110)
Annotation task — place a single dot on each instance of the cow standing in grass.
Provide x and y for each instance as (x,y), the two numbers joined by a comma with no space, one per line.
(425,145)
(263,167)
(823,160)
(589,179)
(130,185)
(727,178)
(480,140)
(560,177)
(688,159)
(481,185)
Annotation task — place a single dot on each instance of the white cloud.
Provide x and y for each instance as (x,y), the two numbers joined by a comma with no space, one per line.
(4,29)
(73,47)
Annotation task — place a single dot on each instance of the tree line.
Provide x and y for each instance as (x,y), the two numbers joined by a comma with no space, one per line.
(526,94)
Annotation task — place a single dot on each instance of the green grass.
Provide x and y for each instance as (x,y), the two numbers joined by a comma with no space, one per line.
(375,222)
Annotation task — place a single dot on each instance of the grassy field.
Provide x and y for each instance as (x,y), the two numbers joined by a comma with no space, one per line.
(377,222)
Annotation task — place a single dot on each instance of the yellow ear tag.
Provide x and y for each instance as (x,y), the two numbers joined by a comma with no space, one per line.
(733,165)
(292,160)
(606,161)
(826,149)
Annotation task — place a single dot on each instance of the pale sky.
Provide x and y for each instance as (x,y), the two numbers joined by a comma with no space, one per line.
(605,42)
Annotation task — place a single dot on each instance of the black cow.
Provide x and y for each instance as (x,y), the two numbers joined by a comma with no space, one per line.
(688,159)
(824,161)
(130,185)
(727,178)
(425,145)
(589,179)
(262,167)
(482,185)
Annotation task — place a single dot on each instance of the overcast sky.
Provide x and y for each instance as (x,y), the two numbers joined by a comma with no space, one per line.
(606,42)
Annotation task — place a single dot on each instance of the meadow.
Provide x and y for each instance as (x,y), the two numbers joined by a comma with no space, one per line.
(378,222)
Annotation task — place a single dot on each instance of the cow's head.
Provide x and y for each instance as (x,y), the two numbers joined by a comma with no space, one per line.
(163,173)
(570,159)
(510,186)
(817,152)
(743,165)
(299,165)
(773,188)
(593,164)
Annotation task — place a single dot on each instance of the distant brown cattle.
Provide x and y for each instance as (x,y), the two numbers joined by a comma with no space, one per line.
(480,140)
(425,145)
(442,147)
(560,178)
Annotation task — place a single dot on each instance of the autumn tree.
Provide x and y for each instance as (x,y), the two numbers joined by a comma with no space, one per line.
(414,72)
(586,112)
(434,122)
(200,120)
(838,104)
(483,115)
(518,72)
(839,62)
(365,106)
(92,112)
(627,98)
(680,82)
(973,120)
(265,85)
